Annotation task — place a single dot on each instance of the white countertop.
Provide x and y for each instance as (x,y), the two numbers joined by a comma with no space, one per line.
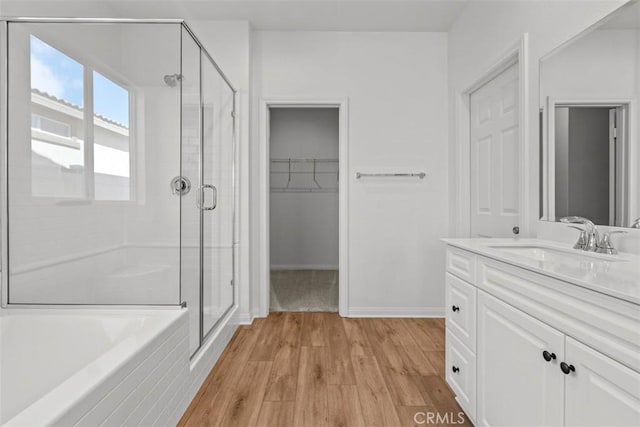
(614,275)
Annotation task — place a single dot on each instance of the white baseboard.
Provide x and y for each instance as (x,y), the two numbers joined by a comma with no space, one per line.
(305,267)
(396,312)
(243,318)
(247,318)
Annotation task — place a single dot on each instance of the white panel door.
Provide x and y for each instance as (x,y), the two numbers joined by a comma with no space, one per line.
(600,391)
(495,156)
(517,386)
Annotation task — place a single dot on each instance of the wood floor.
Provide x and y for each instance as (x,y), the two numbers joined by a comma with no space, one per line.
(318,369)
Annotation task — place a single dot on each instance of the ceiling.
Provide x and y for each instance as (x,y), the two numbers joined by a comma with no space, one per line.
(625,18)
(303,15)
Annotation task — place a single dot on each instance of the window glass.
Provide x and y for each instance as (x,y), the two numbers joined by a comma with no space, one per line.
(57,123)
(111,139)
(59,146)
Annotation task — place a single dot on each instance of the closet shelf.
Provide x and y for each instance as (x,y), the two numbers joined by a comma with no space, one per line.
(304,160)
(310,179)
(302,173)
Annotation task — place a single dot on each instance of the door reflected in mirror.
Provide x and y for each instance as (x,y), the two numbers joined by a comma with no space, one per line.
(589,142)
(588,171)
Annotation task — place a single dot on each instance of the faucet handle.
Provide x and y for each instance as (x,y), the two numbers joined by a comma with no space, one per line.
(582,239)
(605,246)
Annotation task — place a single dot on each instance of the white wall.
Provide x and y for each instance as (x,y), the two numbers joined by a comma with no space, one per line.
(396,87)
(482,34)
(304,226)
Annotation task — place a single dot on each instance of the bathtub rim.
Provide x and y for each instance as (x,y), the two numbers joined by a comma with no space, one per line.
(60,400)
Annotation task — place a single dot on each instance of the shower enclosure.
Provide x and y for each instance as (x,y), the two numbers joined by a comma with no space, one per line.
(118,169)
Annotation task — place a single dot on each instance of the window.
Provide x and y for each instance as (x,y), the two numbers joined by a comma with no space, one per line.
(51,126)
(72,156)
(111,139)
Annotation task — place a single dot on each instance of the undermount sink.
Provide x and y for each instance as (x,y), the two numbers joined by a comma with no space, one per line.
(549,254)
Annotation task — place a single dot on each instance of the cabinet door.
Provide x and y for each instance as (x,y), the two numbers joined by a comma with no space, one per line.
(601,391)
(516,385)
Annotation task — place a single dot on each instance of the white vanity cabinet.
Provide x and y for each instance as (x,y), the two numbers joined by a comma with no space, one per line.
(527,349)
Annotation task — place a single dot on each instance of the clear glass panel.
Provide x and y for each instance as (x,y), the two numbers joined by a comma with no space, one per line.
(94,141)
(111,139)
(217,154)
(57,122)
(190,221)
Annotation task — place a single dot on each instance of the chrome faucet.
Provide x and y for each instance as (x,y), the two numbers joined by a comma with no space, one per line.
(605,246)
(592,236)
(636,223)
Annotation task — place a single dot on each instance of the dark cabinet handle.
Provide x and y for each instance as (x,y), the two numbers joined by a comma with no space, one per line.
(548,356)
(567,369)
(455,369)
(455,308)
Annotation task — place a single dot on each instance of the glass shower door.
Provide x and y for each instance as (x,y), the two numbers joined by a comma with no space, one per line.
(207,232)
(217,201)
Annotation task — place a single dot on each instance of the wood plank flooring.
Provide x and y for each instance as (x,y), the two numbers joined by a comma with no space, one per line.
(318,369)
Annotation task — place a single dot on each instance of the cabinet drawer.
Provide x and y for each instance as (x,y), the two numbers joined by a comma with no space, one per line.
(460,299)
(461,263)
(460,365)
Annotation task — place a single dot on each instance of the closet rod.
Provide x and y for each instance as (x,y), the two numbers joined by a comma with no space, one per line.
(420,175)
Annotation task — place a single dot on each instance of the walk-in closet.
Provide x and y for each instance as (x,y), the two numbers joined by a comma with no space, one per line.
(304,209)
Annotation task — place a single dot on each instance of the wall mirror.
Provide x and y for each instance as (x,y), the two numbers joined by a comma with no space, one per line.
(589,114)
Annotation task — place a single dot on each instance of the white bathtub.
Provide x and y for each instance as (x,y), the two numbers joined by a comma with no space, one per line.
(92,366)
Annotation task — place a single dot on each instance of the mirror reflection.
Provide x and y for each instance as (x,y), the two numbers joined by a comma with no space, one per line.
(588,93)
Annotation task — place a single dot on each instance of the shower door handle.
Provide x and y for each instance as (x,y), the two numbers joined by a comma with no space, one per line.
(214,198)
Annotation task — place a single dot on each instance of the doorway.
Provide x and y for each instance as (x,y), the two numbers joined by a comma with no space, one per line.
(304,185)
(303,236)
(587,151)
(492,189)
